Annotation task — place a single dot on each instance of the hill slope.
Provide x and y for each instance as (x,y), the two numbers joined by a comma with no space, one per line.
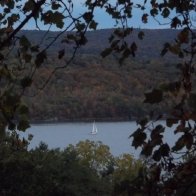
(96,88)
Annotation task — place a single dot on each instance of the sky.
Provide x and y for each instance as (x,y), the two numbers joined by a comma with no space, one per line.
(105,21)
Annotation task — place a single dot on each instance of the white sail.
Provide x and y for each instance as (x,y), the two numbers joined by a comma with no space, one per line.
(94,130)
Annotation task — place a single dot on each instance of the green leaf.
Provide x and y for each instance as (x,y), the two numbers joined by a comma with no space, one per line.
(106,52)
(93,25)
(111,38)
(189,140)
(145,18)
(171,121)
(141,35)
(7,10)
(23,125)
(118,32)
(180,143)
(157,155)
(26,82)
(158,129)
(87,16)
(3,3)
(126,53)
(35,48)
(11,99)
(11,126)
(58,19)
(10,4)
(175,49)
(82,41)
(23,109)
(40,58)
(192,101)
(61,54)
(71,37)
(173,87)
(24,42)
(138,138)
(175,22)
(1,57)
(80,26)
(156,96)
(165,49)
(29,6)
(55,6)
(27,58)
(154,12)
(114,44)
(147,150)
(183,36)
(156,135)
(121,1)
(30,137)
(133,48)
(127,31)
(165,13)
(12,19)
(165,150)
(143,122)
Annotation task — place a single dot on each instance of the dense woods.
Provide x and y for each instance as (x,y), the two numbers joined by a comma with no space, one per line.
(95,88)
(87,168)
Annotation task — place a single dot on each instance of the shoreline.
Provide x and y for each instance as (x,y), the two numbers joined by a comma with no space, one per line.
(53,121)
(85,120)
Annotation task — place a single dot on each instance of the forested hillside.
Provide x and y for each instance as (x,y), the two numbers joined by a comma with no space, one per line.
(95,88)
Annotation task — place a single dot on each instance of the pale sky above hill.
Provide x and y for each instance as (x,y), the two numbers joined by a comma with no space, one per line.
(104,20)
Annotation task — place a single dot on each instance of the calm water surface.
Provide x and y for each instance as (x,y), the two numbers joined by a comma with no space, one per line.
(113,134)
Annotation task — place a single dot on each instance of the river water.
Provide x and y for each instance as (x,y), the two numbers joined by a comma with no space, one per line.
(114,134)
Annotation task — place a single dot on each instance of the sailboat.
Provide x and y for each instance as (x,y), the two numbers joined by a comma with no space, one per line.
(94,130)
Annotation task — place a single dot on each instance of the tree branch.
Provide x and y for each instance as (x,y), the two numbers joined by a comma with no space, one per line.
(28,17)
